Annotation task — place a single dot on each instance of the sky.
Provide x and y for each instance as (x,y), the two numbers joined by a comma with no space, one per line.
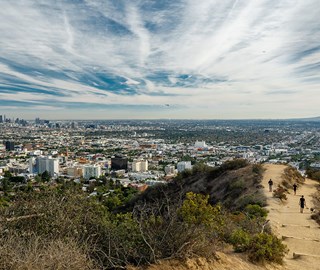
(151,59)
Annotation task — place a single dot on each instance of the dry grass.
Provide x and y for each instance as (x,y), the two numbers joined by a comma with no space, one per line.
(291,176)
(36,253)
(316,202)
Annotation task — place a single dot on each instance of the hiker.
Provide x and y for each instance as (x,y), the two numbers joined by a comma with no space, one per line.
(270,185)
(295,188)
(302,203)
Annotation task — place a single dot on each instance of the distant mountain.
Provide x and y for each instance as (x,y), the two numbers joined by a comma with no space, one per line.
(314,119)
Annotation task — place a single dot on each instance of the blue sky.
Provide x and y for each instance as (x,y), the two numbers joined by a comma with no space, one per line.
(209,59)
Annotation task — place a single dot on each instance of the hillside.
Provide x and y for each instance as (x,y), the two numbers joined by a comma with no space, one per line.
(235,184)
(299,232)
(192,220)
(226,261)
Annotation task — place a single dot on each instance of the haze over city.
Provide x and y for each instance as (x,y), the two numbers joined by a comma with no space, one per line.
(102,59)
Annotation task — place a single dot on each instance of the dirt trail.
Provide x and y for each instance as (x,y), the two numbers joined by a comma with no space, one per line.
(300,233)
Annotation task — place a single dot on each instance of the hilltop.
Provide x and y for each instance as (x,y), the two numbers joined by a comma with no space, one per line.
(235,184)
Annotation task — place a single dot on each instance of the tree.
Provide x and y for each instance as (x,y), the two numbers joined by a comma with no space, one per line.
(6,187)
(7,174)
(197,210)
(45,176)
(37,178)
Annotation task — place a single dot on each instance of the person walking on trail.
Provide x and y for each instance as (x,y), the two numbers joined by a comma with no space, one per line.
(295,188)
(270,185)
(302,203)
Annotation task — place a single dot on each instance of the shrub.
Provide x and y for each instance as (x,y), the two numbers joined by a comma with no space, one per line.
(292,175)
(286,184)
(280,193)
(176,229)
(197,210)
(254,210)
(265,247)
(258,169)
(316,217)
(240,240)
(256,198)
(237,185)
(313,174)
(234,164)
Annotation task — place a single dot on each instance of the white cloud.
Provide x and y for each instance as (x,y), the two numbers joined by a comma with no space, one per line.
(263,49)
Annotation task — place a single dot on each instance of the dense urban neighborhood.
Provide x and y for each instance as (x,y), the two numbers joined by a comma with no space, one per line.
(140,153)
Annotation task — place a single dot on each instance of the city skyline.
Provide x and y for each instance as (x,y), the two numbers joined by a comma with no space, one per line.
(159,59)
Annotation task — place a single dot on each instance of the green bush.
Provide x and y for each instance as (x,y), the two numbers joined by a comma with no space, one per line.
(237,185)
(254,211)
(240,240)
(265,247)
(256,198)
(197,210)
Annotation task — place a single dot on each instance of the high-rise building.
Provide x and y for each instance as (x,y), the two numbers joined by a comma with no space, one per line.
(1,119)
(9,145)
(119,163)
(140,165)
(49,164)
(136,166)
(144,165)
(32,165)
(91,171)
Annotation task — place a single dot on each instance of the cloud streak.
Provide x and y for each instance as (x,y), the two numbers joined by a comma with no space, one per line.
(205,58)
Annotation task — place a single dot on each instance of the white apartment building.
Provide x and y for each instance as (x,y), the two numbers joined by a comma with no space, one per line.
(200,144)
(49,164)
(140,165)
(91,171)
(184,165)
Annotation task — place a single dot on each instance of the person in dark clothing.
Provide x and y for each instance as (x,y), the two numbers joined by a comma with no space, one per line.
(270,185)
(302,203)
(295,188)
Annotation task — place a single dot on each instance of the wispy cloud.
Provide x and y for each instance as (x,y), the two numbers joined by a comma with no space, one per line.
(205,58)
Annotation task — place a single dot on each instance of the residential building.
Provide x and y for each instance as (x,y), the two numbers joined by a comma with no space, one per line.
(184,165)
(140,165)
(75,171)
(49,164)
(91,171)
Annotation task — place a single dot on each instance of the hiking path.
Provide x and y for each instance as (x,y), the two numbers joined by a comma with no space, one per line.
(300,233)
